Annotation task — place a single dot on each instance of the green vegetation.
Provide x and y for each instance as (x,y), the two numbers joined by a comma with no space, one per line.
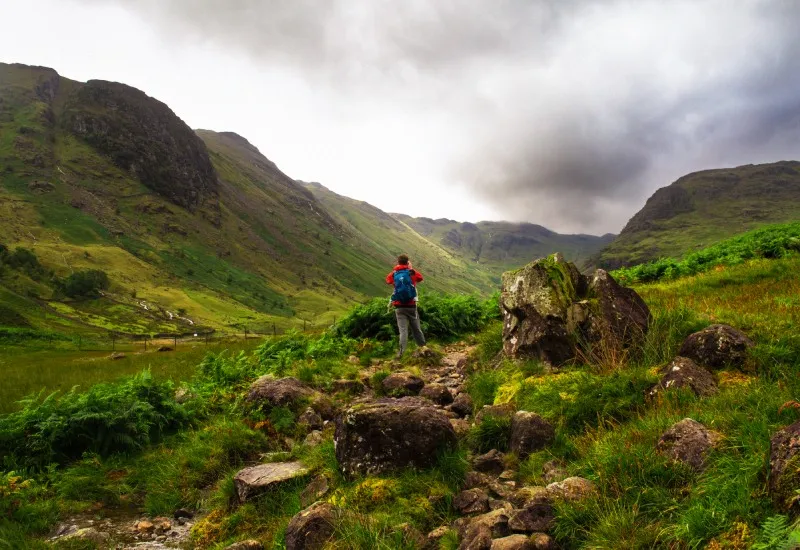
(85,284)
(776,241)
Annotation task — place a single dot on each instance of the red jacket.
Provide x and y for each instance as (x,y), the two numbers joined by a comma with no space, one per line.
(416,277)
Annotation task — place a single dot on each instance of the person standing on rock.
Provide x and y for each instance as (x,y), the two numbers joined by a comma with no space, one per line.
(404,278)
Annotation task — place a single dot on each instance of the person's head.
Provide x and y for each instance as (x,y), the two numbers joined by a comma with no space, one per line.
(402,259)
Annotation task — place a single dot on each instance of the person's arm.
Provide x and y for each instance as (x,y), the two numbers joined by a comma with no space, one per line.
(390,278)
(416,276)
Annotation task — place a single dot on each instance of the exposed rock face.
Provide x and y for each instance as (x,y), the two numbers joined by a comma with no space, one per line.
(143,136)
(283,392)
(688,442)
(682,372)
(551,310)
(530,432)
(784,467)
(438,393)
(717,347)
(377,437)
(311,528)
(255,480)
(399,384)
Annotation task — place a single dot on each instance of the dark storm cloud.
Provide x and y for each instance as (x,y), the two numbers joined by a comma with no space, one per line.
(565,113)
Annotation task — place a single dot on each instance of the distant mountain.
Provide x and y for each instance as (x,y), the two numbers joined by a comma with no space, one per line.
(704,207)
(503,245)
(198,229)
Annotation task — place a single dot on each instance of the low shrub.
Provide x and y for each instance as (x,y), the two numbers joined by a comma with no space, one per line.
(106,419)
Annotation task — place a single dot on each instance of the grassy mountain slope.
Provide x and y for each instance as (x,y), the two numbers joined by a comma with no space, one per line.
(704,207)
(500,246)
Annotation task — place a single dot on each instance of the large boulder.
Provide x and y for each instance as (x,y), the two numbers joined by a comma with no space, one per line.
(279,392)
(682,372)
(688,442)
(551,312)
(256,480)
(717,347)
(311,528)
(390,434)
(529,433)
(784,468)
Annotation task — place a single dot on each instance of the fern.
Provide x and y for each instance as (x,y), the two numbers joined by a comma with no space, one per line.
(778,534)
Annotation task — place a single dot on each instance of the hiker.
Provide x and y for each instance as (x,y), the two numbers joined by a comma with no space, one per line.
(404,299)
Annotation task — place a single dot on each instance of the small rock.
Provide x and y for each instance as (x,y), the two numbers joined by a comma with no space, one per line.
(164,348)
(162,525)
(314,438)
(497,504)
(325,407)
(542,541)
(572,489)
(717,347)
(283,392)
(438,393)
(311,528)
(411,535)
(314,491)
(462,404)
(474,531)
(492,463)
(116,356)
(182,513)
(434,536)
(784,468)
(513,542)
(145,526)
(310,419)
(476,479)
(507,475)
(251,544)
(255,480)
(535,516)
(553,471)
(89,534)
(530,432)
(471,501)
(460,426)
(682,372)
(688,442)
(399,384)
(353,360)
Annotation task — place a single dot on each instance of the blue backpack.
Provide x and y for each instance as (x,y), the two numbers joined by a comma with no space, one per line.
(404,290)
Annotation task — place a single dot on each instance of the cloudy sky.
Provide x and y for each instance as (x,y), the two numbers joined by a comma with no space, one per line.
(567,113)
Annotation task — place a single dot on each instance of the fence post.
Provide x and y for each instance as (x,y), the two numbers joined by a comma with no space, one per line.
(175,341)
(145,342)
(274,331)
(304,325)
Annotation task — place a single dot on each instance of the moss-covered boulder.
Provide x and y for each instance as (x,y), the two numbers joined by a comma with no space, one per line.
(784,468)
(552,312)
(391,434)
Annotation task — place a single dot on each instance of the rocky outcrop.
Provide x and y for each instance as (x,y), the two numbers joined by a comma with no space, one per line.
(400,384)
(311,528)
(784,468)
(530,432)
(143,136)
(256,480)
(717,347)
(283,392)
(551,312)
(682,372)
(390,434)
(688,442)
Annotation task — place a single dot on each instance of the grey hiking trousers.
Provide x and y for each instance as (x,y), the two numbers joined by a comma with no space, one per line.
(408,316)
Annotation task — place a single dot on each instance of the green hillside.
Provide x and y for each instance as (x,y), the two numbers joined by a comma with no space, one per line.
(499,246)
(196,230)
(702,208)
